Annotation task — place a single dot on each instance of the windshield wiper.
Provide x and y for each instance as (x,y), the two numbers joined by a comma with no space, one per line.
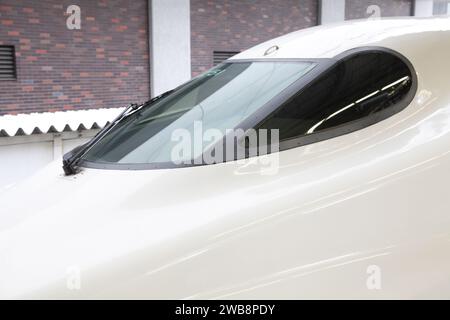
(71,159)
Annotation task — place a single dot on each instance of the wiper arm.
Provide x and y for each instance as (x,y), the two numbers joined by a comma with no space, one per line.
(71,159)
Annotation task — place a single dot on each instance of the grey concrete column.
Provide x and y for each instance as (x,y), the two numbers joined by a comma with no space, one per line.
(423,8)
(170,44)
(331,11)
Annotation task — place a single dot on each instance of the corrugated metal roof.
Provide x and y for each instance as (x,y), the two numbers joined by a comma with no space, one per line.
(54,122)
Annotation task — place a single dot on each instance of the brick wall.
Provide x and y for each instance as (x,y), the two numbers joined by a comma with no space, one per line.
(357,9)
(105,64)
(236,25)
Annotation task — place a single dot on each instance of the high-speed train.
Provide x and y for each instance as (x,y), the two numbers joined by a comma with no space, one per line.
(351,200)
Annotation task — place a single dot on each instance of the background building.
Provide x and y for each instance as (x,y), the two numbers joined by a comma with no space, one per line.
(108,62)
(59,55)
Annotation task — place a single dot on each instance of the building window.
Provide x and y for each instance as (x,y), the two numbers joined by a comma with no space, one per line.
(358,91)
(221,56)
(7,63)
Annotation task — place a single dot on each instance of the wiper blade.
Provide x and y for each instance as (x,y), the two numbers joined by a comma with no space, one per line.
(71,159)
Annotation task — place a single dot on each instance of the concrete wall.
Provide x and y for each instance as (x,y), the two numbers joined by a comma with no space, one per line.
(22,156)
(332,11)
(423,8)
(170,44)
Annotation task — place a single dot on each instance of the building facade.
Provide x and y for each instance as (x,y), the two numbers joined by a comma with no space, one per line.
(233,25)
(122,49)
(104,63)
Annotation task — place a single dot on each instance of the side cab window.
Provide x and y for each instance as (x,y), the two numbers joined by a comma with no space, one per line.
(359,90)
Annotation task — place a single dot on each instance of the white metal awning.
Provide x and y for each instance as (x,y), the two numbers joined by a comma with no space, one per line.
(54,122)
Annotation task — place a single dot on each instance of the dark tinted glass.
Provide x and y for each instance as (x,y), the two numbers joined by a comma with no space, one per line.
(361,86)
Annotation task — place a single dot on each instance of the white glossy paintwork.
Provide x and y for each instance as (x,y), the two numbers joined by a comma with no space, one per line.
(330,40)
(378,196)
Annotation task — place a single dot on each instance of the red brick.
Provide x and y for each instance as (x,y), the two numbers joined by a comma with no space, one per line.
(121,28)
(238,25)
(27,88)
(83,62)
(5,8)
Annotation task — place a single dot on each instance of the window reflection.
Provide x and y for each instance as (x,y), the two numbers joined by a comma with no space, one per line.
(356,88)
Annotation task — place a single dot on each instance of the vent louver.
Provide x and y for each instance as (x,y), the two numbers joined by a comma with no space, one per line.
(221,56)
(7,63)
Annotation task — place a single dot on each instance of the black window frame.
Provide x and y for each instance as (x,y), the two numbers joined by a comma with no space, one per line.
(323,65)
(355,125)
